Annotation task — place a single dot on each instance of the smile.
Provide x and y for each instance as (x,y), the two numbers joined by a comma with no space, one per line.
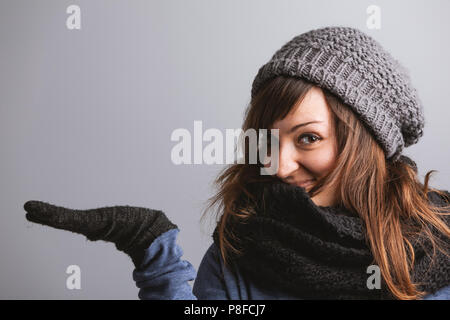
(305,184)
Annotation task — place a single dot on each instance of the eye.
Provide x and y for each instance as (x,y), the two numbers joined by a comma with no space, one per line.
(312,138)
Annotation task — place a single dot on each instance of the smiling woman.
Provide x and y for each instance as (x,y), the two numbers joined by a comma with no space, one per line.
(337,76)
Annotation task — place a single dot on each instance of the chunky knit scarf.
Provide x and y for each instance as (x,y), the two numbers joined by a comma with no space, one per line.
(316,252)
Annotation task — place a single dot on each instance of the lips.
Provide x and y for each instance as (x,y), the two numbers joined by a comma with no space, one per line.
(305,183)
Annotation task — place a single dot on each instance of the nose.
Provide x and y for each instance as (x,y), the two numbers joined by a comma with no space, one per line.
(287,163)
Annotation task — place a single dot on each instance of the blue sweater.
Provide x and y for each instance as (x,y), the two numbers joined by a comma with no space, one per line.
(164,276)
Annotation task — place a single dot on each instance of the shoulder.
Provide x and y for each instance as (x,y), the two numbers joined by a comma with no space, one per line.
(214,280)
(211,258)
(212,261)
(441,294)
(439,200)
(213,252)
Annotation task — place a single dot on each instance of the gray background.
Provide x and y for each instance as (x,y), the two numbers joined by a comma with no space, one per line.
(86,115)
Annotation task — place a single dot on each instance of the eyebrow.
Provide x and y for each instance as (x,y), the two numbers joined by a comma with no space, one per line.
(302,125)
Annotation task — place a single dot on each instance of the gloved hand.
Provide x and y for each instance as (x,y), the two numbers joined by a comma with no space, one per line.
(131,229)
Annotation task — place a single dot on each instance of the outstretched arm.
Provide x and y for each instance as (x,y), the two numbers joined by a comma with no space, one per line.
(149,238)
(146,235)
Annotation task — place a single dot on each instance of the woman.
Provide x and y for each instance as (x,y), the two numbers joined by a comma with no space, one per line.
(343,201)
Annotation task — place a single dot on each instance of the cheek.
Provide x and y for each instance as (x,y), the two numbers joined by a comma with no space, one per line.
(321,161)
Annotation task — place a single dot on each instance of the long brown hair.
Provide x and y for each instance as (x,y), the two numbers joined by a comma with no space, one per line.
(384,194)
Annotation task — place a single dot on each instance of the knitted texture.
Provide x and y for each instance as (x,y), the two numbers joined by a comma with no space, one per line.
(316,252)
(131,229)
(355,68)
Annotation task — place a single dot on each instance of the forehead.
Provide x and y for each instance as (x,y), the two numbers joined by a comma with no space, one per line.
(313,107)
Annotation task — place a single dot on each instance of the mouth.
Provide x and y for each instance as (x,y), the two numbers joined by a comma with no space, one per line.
(305,184)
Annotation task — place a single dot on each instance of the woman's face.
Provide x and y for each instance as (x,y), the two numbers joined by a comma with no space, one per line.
(308,147)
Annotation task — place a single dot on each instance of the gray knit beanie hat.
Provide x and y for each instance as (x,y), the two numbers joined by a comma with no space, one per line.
(355,68)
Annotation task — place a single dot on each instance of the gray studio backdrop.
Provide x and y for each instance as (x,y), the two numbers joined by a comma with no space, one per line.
(86,115)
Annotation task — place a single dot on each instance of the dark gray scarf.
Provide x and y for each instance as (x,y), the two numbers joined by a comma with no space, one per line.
(316,252)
